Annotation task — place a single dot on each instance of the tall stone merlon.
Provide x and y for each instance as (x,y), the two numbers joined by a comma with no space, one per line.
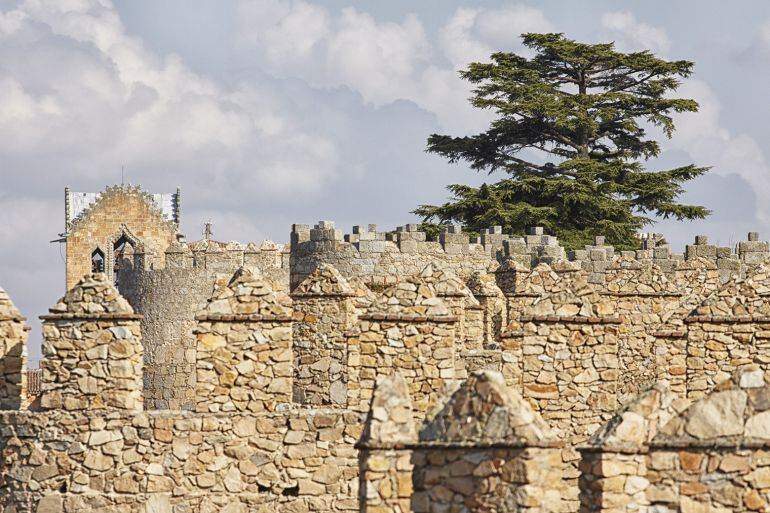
(408,328)
(92,350)
(646,301)
(713,455)
(244,354)
(13,355)
(729,329)
(485,449)
(577,330)
(492,302)
(615,461)
(459,298)
(569,355)
(384,455)
(753,251)
(324,310)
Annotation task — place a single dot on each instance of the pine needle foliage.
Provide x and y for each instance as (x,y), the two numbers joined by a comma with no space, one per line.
(584,109)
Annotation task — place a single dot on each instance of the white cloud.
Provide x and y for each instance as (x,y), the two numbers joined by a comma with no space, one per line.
(385,61)
(632,35)
(709,143)
(473,34)
(377,59)
(75,84)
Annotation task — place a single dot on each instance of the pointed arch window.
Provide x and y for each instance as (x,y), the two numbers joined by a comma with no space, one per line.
(97,261)
(122,249)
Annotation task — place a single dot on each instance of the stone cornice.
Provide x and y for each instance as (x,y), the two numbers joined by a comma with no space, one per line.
(243,318)
(574,319)
(408,318)
(92,316)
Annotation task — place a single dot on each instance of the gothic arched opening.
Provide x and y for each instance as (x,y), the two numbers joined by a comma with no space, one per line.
(97,261)
(123,249)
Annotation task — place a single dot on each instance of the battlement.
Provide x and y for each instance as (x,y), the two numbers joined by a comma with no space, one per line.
(385,371)
(303,398)
(381,256)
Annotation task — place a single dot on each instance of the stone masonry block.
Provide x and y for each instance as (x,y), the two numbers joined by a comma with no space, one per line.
(707,251)
(752,246)
(453,238)
(598,254)
(578,254)
(514,247)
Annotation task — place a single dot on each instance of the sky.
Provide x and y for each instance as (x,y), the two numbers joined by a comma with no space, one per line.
(273,112)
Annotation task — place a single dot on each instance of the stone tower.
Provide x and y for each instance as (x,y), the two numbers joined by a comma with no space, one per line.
(121,224)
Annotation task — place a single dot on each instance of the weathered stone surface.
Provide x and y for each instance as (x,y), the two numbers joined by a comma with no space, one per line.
(92,350)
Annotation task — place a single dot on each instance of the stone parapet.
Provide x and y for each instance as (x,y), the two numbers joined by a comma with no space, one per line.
(92,350)
(324,310)
(244,349)
(408,329)
(68,462)
(501,456)
(13,355)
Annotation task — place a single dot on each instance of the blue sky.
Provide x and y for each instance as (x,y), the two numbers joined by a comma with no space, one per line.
(272,112)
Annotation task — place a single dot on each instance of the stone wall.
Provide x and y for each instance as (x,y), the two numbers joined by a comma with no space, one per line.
(729,329)
(324,310)
(92,350)
(409,329)
(170,297)
(296,460)
(13,355)
(646,302)
(410,333)
(244,356)
(661,454)
(482,449)
(382,257)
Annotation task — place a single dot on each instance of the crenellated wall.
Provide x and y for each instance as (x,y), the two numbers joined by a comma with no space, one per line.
(169,298)
(497,388)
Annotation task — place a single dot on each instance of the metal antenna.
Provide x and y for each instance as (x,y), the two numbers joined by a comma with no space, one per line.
(208,233)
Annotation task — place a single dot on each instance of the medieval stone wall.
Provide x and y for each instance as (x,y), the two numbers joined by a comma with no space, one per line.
(556,432)
(13,355)
(398,374)
(170,297)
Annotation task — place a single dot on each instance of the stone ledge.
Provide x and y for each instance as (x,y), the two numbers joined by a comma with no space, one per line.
(571,319)
(556,444)
(615,448)
(408,318)
(512,334)
(670,333)
(19,318)
(641,294)
(737,444)
(320,294)
(92,316)
(727,319)
(243,318)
